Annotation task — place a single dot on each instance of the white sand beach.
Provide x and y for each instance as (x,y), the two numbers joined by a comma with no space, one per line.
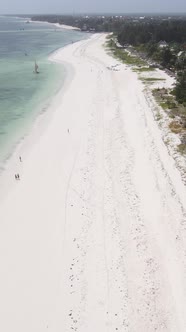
(61,26)
(93,235)
(67,27)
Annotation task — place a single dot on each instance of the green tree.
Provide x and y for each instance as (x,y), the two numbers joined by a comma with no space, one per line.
(180,89)
(166,57)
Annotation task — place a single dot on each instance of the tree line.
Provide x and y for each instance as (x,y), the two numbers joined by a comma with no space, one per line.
(145,32)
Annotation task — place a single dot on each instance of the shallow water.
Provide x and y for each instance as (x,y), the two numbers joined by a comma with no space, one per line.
(23,94)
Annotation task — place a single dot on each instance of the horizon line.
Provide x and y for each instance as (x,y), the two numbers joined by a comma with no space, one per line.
(98,13)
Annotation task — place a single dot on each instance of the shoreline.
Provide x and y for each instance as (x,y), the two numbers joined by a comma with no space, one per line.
(61,26)
(35,130)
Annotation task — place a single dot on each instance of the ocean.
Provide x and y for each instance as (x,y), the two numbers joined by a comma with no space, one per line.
(23,94)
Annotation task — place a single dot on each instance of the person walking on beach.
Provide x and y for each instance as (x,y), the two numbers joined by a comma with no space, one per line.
(20,159)
(17,177)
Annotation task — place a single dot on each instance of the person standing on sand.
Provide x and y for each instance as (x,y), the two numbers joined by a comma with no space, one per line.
(16,176)
(20,159)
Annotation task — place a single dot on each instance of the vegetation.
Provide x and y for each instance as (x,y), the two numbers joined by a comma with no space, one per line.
(124,55)
(144,69)
(167,105)
(175,127)
(180,89)
(127,58)
(143,33)
(175,111)
(182,148)
(151,79)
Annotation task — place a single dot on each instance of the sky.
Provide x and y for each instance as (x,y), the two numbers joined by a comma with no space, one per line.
(91,6)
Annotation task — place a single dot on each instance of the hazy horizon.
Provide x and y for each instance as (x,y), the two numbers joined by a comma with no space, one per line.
(97,13)
(12,7)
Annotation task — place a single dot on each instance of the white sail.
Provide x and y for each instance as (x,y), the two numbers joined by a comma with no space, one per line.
(36,68)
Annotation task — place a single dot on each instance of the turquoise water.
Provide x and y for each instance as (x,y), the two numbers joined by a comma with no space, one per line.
(23,94)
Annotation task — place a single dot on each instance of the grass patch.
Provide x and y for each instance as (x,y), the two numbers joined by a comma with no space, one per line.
(123,55)
(151,79)
(168,104)
(127,58)
(175,127)
(144,69)
(110,44)
(164,105)
(182,148)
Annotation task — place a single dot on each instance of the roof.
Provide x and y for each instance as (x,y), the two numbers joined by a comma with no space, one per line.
(162,43)
(181,53)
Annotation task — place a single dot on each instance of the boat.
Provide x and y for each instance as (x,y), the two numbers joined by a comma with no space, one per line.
(36,68)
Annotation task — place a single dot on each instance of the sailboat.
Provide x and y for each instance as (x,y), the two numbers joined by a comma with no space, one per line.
(36,68)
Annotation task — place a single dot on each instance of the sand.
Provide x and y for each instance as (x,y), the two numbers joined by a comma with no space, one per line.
(62,26)
(67,27)
(92,236)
